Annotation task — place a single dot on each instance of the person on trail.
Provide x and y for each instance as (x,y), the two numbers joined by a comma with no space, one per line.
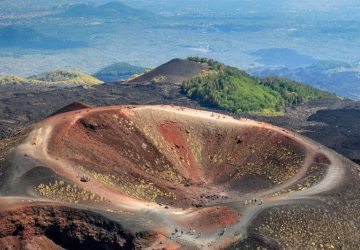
(84,178)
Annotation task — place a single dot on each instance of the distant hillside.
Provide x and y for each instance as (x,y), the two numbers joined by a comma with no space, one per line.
(109,10)
(175,71)
(118,71)
(16,36)
(282,57)
(58,77)
(337,77)
(231,89)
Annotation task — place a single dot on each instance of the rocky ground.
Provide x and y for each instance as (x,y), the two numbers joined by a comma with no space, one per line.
(21,106)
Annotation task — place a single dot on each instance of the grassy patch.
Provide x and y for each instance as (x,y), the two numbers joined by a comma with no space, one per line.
(59,190)
(58,77)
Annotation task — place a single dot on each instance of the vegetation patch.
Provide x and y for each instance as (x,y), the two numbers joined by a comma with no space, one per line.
(58,77)
(59,190)
(308,227)
(194,142)
(234,90)
(138,188)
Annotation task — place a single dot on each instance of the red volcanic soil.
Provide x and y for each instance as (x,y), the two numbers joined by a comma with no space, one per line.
(175,71)
(211,218)
(174,134)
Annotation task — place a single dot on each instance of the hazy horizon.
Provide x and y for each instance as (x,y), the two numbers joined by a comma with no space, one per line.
(229,31)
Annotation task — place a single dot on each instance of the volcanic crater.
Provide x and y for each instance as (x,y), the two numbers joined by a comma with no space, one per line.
(181,177)
(175,157)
